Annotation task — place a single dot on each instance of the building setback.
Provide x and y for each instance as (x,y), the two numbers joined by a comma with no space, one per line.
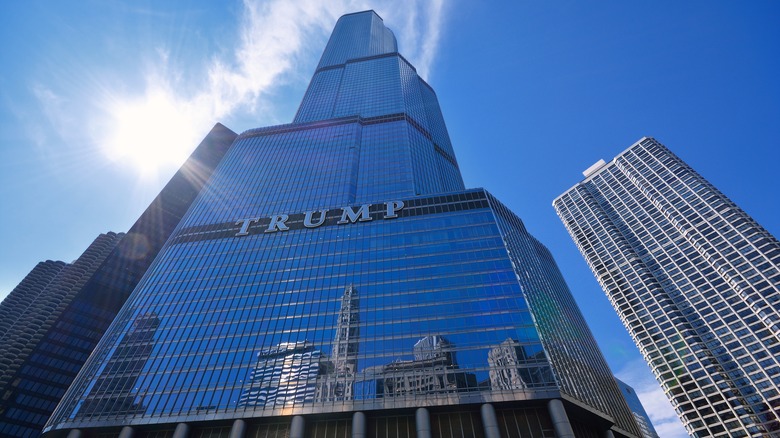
(335,278)
(52,321)
(695,281)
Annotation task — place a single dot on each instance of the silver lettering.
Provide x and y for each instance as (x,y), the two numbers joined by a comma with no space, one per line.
(393,207)
(349,215)
(308,216)
(245,223)
(278,223)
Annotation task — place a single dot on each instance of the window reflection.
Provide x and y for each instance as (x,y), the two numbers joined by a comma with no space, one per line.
(284,374)
(508,368)
(296,372)
(428,303)
(114,391)
(433,369)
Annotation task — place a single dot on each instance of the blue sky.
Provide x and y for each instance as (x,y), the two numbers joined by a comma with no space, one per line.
(101,100)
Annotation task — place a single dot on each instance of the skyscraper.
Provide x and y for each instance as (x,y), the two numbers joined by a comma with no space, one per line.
(52,321)
(37,363)
(640,415)
(334,275)
(695,281)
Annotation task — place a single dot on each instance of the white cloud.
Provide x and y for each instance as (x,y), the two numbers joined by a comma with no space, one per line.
(275,39)
(665,420)
(276,35)
(55,129)
(55,110)
(419,32)
(161,123)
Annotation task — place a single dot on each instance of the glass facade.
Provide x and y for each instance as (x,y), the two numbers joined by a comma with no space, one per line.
(695,281)
(640,415)
(337,265)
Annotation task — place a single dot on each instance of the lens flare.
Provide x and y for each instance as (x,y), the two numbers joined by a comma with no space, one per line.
(151,132)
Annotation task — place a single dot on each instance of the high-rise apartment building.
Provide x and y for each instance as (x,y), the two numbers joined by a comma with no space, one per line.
(695,281)
(26,294)
(52,321)
(335,278)
(38,358)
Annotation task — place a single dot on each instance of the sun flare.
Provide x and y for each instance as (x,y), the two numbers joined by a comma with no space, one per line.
(150,133)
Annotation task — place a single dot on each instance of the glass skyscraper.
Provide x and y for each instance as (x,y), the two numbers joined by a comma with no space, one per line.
(334,278)
(640,415)
(695,281)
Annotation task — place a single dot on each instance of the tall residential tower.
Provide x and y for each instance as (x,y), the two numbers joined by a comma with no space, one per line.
(334,276)
(695,281)
(47,331)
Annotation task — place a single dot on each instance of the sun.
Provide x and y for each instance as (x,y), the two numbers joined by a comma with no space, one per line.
(150,132)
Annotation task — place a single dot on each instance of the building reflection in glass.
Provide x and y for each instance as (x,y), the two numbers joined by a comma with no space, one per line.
(339,381)
(113,392)
(284,374)
(509,369)
(433,369)
(297,372)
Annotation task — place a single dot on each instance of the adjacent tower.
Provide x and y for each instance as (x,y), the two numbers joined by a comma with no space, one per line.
(47,331)
(640,415)
(52,321)
(695,281)
(334,277)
